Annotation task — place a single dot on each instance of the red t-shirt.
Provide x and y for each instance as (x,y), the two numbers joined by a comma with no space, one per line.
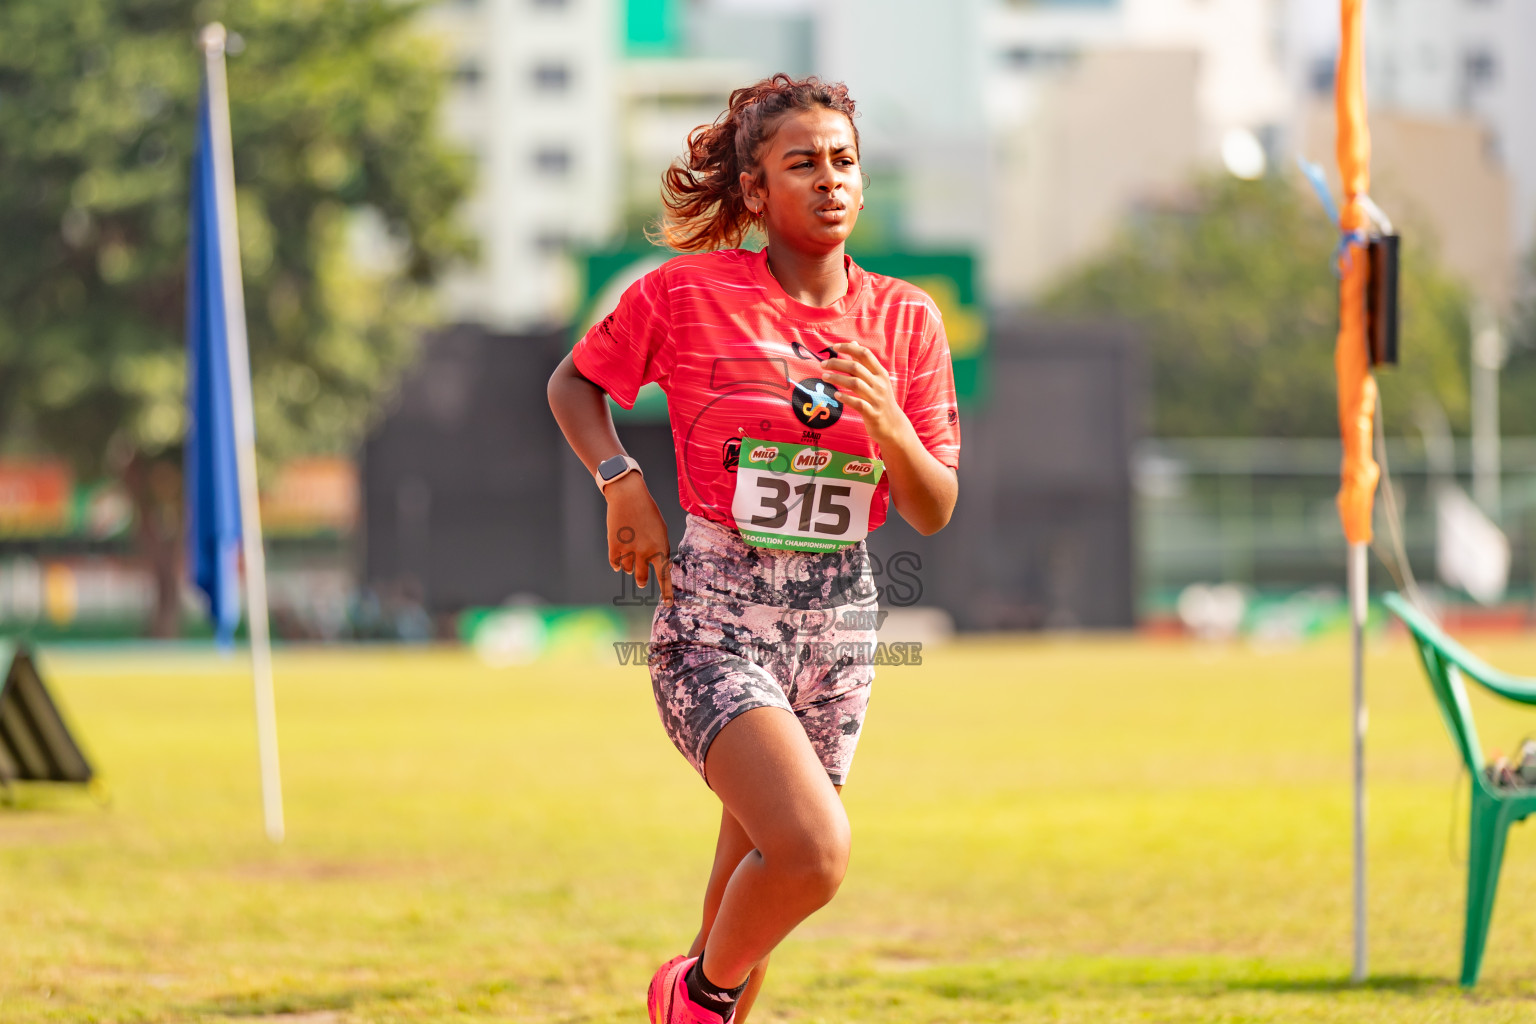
(737,357)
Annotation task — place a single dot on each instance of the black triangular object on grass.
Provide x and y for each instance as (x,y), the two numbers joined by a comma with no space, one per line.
(35,744)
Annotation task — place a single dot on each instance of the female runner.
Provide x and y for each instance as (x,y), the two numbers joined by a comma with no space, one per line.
(804,394)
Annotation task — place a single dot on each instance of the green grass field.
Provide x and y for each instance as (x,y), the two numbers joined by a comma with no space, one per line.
(1044,830)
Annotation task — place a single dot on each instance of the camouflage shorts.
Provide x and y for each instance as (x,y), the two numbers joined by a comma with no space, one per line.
(752,627)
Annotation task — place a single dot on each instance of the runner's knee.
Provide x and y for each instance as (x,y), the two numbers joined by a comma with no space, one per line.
(817,858)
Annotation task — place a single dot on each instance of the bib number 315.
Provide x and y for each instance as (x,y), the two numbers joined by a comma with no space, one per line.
(803,498)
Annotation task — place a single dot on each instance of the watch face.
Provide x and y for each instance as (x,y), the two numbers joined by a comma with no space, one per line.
(610,468)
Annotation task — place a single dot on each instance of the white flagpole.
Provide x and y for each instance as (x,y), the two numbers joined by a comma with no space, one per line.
(212,43)
(1358,580)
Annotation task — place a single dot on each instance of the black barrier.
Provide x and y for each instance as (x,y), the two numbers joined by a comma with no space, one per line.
(35,744)
(472,497)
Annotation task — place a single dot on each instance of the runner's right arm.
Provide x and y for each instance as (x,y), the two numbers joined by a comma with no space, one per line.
(637,535)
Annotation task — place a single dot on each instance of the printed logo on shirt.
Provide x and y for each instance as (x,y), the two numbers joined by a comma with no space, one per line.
(806,353)
(810,460)
(730,454)
(815,403)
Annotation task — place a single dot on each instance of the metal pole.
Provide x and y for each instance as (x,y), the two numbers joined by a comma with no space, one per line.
(1487,358)
(1358,580)
(212,43)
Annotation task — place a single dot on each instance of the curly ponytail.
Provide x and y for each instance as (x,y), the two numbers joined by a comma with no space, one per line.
(701,191)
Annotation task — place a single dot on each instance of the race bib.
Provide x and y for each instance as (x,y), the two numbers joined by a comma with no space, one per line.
(802,498)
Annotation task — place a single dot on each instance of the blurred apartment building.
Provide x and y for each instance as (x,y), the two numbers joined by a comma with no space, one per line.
(533,104)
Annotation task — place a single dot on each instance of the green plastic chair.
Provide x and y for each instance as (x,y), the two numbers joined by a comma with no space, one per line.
(1494,809)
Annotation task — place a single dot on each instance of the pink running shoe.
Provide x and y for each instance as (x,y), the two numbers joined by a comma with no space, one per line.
(667,1000)
(658,998)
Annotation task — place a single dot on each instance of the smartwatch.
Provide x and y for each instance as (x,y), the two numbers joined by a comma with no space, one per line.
(613,468)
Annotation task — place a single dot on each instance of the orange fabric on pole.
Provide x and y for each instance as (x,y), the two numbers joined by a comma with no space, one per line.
(1357,388)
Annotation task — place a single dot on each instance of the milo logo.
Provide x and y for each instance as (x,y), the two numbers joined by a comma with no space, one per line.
(811,460)
(858,468)
(763,453)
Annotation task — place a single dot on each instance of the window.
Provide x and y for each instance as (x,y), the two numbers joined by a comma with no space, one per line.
(1493,144)
(551,76)
(554,161)
(1320,76)
(1479,67)
(551,243)
(468,74)
(1031,58)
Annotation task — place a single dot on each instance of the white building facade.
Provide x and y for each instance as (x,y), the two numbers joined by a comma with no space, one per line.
(534,101)
(1464,58)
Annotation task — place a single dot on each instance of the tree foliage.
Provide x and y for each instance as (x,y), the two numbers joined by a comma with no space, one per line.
(333,106)
(1234,292)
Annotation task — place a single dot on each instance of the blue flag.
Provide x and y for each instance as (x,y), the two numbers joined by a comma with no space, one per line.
(211,482)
